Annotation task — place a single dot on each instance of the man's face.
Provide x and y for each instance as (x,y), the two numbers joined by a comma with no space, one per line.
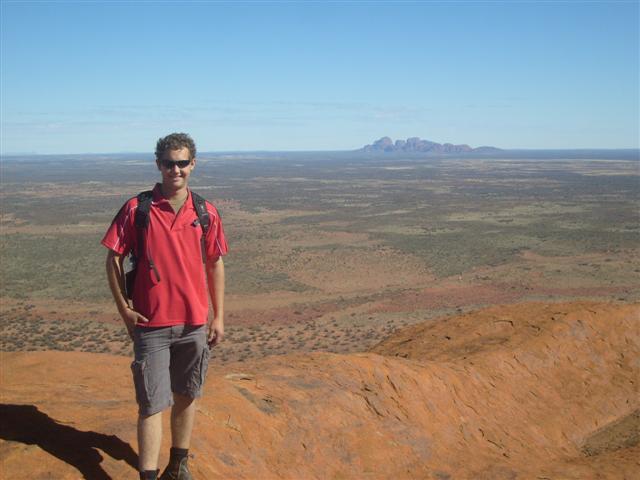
(173,176)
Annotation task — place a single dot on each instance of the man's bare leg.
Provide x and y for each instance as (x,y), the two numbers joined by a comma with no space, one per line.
(149,440)
(183,413)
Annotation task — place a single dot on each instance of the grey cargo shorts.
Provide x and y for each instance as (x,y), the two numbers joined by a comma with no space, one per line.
(168,360)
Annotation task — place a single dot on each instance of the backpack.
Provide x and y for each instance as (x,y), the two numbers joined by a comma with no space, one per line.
(142,223)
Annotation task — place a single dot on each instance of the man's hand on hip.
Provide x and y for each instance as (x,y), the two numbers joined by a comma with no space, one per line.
(131,319)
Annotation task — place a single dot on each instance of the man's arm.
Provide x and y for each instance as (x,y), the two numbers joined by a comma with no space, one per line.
(215,282)
(116,284)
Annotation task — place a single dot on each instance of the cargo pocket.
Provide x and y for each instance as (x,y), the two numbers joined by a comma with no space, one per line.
(138,368)
(199,373)
(204,364)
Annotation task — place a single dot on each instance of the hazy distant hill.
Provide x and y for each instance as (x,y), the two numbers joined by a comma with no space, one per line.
(415,144)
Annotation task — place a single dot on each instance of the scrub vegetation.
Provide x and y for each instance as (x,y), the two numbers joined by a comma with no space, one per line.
(328,252)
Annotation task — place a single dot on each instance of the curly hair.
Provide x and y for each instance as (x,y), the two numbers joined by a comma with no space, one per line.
(176,141)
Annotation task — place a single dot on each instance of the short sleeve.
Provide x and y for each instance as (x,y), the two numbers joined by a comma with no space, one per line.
(215,240)
(120,236)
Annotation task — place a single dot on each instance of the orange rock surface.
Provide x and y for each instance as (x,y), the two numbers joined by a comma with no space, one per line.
(541,391)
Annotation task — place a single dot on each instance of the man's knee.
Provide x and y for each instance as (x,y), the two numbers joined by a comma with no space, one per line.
(182,401)
(144,418)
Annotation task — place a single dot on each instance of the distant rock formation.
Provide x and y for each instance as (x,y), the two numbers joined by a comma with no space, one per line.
(415,144)
(520,391)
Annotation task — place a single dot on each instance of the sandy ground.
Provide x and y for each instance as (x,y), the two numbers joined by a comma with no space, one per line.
(535,390)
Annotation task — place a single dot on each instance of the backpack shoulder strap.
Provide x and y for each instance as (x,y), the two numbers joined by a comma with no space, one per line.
(200,204)
(142,212)
(142,223)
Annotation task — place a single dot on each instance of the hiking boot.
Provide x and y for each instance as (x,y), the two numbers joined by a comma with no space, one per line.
(177,470)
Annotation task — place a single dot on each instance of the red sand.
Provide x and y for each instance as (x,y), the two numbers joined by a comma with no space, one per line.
(520,391)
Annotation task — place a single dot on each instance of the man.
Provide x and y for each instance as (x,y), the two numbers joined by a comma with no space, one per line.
(167,320)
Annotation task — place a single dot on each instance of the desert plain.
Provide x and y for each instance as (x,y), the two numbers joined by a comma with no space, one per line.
(386,317)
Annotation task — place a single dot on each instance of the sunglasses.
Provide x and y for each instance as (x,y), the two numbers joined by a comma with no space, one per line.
(170,164)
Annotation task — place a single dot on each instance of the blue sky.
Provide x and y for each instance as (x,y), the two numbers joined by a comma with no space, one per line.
(83,77)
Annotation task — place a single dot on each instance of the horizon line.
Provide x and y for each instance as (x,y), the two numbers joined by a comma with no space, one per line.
(218,152)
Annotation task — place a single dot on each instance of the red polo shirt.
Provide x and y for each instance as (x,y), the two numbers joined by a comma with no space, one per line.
(180,297)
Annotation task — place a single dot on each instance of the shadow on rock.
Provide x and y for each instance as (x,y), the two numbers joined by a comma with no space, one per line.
(26,424)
